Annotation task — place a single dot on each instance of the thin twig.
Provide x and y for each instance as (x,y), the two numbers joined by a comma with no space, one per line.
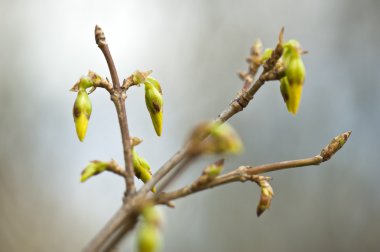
(108,234)
(249,173)
(118,97)
(185,163)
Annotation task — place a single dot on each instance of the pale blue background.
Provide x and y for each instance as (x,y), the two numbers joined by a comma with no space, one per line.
(195,49)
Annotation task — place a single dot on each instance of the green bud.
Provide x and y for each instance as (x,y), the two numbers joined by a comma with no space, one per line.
(82,112)
(148,238)
(292,83)
(94,168)
(154,103)
(149,231)
(141,168)
(266,55)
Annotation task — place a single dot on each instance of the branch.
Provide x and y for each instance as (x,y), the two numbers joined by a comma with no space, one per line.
(237,105)
(118,97)
(250,173)
(124,218)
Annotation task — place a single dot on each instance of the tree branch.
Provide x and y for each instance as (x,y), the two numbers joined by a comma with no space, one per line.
(124,218)
(250,173)
(118,97)
(237,105)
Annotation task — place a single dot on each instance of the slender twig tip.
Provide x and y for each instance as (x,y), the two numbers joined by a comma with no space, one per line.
(99,36)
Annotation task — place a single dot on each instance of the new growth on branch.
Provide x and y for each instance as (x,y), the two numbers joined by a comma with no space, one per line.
(283,63)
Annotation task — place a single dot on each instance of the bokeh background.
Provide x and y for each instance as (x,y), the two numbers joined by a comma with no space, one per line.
(195,49)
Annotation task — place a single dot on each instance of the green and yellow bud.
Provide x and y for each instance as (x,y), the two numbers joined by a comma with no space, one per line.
(82,112)
(149,232)
(141,168)
(292,83)
(154,103)
(94,168)
(148,238)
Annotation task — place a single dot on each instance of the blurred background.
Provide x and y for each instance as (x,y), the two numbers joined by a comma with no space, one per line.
(195,49)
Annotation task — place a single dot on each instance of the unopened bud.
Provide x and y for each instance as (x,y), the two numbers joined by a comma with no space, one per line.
(265,197)
(82,112)
(154,103)
(335,145)
(292,83)
(149,233)
(92,169)
(141,168)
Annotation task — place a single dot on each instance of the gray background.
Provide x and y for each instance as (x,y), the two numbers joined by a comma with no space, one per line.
(195,49)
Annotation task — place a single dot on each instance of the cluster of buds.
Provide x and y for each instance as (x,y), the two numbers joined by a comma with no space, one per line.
(149,232)
(265,197)
(222,138)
